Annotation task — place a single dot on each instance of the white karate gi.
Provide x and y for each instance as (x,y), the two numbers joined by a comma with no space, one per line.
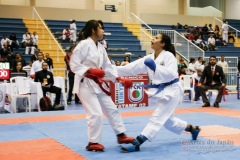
(73,30)
(167,100)
(95,102)
(36,66)
(225,32)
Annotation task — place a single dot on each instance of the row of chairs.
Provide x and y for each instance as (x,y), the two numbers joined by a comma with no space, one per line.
(188,84)
(21,89)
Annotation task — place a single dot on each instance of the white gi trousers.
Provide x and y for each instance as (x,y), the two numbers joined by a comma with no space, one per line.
(95,106)
(73,36)
(163,114)
(225,36)
(30,48)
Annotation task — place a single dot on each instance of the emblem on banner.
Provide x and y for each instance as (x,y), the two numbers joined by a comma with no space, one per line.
(7,99)
(136,93)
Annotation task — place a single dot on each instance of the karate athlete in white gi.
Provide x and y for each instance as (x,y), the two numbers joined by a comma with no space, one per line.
(166,91)
(225,29)
(91,66)
(73,31)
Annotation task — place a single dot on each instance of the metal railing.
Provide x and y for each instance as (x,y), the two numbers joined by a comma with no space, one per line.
(139,21)
(234,31)
(51,37)
(183,46)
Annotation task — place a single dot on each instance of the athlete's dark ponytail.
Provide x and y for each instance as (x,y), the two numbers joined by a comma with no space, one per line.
(168,45)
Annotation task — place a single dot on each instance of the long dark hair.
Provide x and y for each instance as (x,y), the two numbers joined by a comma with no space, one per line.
(168,45)
(89,26)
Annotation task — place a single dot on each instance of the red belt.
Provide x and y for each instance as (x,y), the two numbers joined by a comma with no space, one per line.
(100,82)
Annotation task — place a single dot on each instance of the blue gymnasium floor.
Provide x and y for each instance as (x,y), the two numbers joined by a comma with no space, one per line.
(62,135)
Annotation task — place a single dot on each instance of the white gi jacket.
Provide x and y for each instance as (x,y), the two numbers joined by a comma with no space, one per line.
(87,55)
(166,71)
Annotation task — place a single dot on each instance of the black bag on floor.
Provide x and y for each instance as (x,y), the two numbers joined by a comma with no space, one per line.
(46,104)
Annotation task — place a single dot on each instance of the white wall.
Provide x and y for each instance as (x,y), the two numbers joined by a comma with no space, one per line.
(15,2)
(75,4)
(232,9)
(154,6)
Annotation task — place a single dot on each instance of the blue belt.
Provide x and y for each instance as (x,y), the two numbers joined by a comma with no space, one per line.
(161,86)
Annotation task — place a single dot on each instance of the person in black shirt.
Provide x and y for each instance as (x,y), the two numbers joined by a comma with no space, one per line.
(18,68)
(71,76)
(46,78)
(49,61)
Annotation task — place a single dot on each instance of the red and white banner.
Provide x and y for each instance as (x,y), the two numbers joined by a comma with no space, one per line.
(130,97)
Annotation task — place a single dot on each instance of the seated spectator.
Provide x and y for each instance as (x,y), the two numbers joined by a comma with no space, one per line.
(19,68)
(6,41)
(112,61)
(35,56)
(211,43)
(30,46)
(181,71)
(5,50)
(198,63)
(37,65)
(45,77)
(139,57)
(197,77)
(15,43)
(26,37)
(66,34)
(231,36)
(217,30)
(204,64)
(49,61)
(191,37)
(179,26)
(205,30)
(18,58)
(27,68)
(118,63)
(125,61)
(34,36)
(201,43)
(191,66)
(182,64)
(212,78)
(210,29)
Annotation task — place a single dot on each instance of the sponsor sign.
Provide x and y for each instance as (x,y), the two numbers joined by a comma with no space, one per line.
(130,97)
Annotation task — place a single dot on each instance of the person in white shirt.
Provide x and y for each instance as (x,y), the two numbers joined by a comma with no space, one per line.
(191,66)
(34,36)
(30,45)
(5,40)
(222,63)
(198,63)
(225,29)
(197,75)
(37,65)
(204,64)
(26,38)
(211,43)
(66,34)
(73,29)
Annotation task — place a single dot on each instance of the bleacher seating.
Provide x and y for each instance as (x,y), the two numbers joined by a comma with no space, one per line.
(119,42)
(14,25)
